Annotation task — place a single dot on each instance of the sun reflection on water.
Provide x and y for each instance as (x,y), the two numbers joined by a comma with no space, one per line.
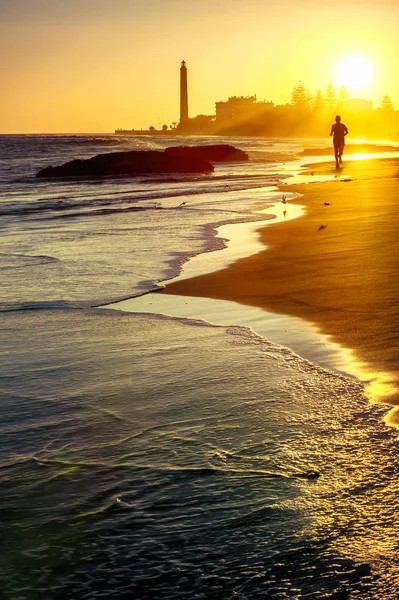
(380,387)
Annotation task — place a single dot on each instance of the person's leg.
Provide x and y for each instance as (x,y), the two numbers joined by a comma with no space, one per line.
(336,153)
(341,151)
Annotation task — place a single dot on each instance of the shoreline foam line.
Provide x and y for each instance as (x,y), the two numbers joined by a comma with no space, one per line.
(288,277)
(297,334)
(267,280)
(334,268)
(241,240)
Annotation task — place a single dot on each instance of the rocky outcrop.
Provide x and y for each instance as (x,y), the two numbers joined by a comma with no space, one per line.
(134,162)
(213,153)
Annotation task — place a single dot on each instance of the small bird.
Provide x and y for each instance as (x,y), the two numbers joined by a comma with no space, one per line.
(182,204)
(322,227)
(312,173)
(326,204)
(283,200)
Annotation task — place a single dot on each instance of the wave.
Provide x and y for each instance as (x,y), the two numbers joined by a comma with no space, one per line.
(58,206)
(194,471)
(98,304)
(95,141)
(218,185)
(20,261)
(61,139)
(200,178)
(56,304)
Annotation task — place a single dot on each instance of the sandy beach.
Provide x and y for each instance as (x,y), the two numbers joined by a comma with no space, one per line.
(335,266)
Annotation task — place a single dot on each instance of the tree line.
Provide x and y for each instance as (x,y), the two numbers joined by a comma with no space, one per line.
(327,101)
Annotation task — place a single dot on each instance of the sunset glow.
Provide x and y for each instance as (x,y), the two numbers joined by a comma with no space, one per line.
(91,66)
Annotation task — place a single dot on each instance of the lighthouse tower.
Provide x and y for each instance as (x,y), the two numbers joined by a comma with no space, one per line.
(183,94)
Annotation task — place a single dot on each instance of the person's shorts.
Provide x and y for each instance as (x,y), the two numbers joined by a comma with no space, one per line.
(339,145)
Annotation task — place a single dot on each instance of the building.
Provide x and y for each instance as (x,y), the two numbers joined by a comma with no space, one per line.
(239,109)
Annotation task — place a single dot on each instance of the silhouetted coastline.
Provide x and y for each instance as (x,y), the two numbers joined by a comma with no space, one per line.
(307,115)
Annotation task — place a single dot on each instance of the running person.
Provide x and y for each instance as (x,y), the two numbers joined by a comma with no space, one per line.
(339,131)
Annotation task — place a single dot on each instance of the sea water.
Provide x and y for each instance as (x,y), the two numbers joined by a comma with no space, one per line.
(152,456)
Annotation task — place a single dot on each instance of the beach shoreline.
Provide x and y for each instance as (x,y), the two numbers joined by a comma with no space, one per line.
(242,240)
(328,267)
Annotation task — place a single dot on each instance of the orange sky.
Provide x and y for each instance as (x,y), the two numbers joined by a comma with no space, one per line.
(94,65)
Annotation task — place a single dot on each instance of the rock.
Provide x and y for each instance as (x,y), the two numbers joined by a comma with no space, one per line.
(311,475)
(134,162)
(213,153)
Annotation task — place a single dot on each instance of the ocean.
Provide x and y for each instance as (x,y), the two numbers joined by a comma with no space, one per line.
(164,454)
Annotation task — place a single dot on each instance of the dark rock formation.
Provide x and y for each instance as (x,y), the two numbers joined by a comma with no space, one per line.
(134,162)
(213,153)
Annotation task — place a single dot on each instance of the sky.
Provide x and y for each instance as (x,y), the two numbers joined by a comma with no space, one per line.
(71,66)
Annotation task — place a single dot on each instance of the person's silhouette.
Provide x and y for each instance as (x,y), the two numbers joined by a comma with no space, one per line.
(339,131)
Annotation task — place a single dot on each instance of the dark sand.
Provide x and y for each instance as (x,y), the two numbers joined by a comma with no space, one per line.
(337,266)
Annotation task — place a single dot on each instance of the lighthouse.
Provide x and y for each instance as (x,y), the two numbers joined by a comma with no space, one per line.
(183,94)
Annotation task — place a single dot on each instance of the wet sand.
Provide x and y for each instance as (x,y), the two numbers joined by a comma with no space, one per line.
(337,266)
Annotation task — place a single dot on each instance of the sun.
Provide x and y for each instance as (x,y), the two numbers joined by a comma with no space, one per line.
(355,73)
